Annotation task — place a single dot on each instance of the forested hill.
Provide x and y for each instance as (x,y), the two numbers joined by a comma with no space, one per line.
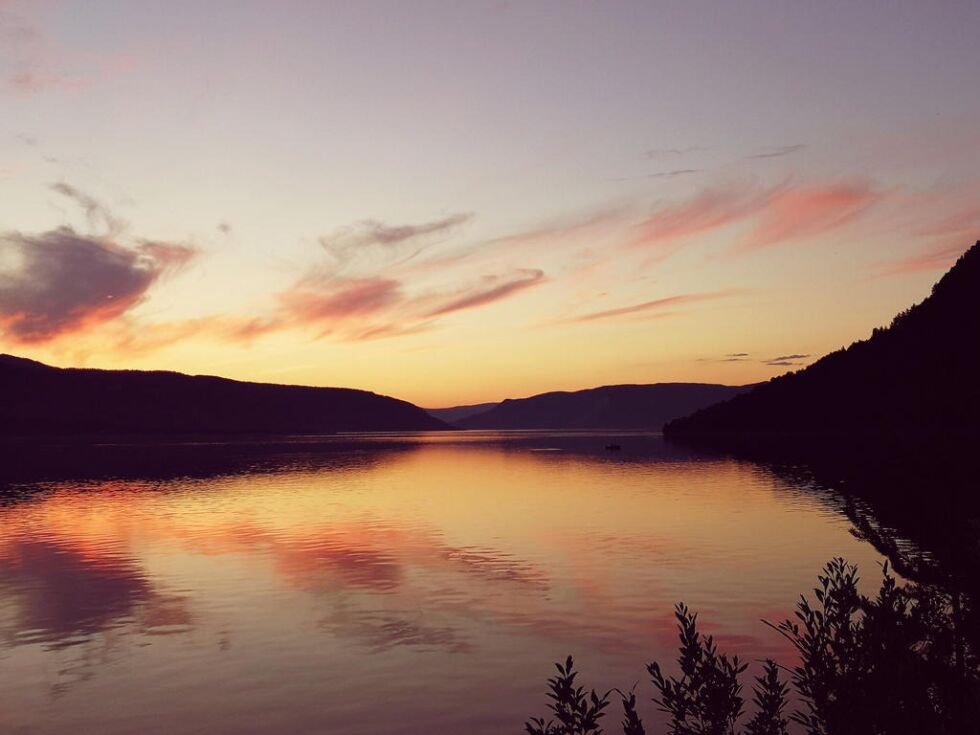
(920,376)
(43,400)
(607,407)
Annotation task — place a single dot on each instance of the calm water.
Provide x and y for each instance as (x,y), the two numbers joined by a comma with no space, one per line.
(418,584)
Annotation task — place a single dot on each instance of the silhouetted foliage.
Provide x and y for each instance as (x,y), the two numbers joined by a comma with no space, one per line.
(707,697)
(575,712)
(895,663)
(632,724)
(770,701)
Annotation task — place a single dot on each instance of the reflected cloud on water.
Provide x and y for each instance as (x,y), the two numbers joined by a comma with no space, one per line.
(57,594)
(371,565)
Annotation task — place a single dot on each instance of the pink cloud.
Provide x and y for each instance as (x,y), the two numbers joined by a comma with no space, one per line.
(803,212)
(709,210)
(63,282)
(656,305)
(311,301)
(934,259)
(67,283)
(36,62)
(33,81)
(783,213)
(490,289)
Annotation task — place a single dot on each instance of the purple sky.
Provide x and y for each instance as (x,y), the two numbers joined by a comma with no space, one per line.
(460,201)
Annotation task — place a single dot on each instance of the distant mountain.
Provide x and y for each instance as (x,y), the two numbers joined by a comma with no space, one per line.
(41,400)
(458,413)
(608,407)
(919,378)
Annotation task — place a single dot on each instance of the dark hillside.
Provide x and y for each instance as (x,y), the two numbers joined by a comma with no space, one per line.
(919,376)
(43,400)
(608,407)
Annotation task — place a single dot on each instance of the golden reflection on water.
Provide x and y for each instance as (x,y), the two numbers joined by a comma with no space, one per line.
(417,587)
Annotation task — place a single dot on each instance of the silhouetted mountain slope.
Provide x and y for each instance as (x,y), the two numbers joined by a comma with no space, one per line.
(39,399)
(608,407)
(920,377)
(458,413)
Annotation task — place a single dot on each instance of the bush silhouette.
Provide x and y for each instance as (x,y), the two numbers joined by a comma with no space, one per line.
(896,663)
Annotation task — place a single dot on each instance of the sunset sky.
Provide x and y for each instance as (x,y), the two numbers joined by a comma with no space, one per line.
(454,202)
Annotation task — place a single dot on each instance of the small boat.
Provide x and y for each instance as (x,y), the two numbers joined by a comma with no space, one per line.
(613,447)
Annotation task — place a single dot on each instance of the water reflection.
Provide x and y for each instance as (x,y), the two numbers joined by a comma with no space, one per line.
(58,593)
(312,579)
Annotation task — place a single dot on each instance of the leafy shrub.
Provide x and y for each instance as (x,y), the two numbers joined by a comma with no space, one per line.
(896,663)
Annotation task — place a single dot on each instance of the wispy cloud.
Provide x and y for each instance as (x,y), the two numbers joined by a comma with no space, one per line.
(655,153)
(777,151)
(660,175)
(98,214)
(785,360)
(934,259)
(807,211)
(370,233)
(352,298)
(780,361)
(490,289)
(655,306)
(560,236)
(782,213)
(317,300)
(708,210)
(347,309)
(32,61)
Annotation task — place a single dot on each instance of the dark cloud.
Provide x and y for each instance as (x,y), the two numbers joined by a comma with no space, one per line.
(785,360)
(777,151)
(672,174)
(730,357)
(661,174)
(62,281)
(96,213)
(373,233)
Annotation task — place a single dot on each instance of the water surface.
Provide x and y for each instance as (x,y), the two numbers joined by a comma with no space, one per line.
(384,585)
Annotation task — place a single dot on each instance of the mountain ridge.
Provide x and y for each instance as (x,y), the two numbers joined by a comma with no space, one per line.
(625,406)
(41,399)
(916,375)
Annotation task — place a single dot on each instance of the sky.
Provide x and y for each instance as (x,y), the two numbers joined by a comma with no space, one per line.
(461,201)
